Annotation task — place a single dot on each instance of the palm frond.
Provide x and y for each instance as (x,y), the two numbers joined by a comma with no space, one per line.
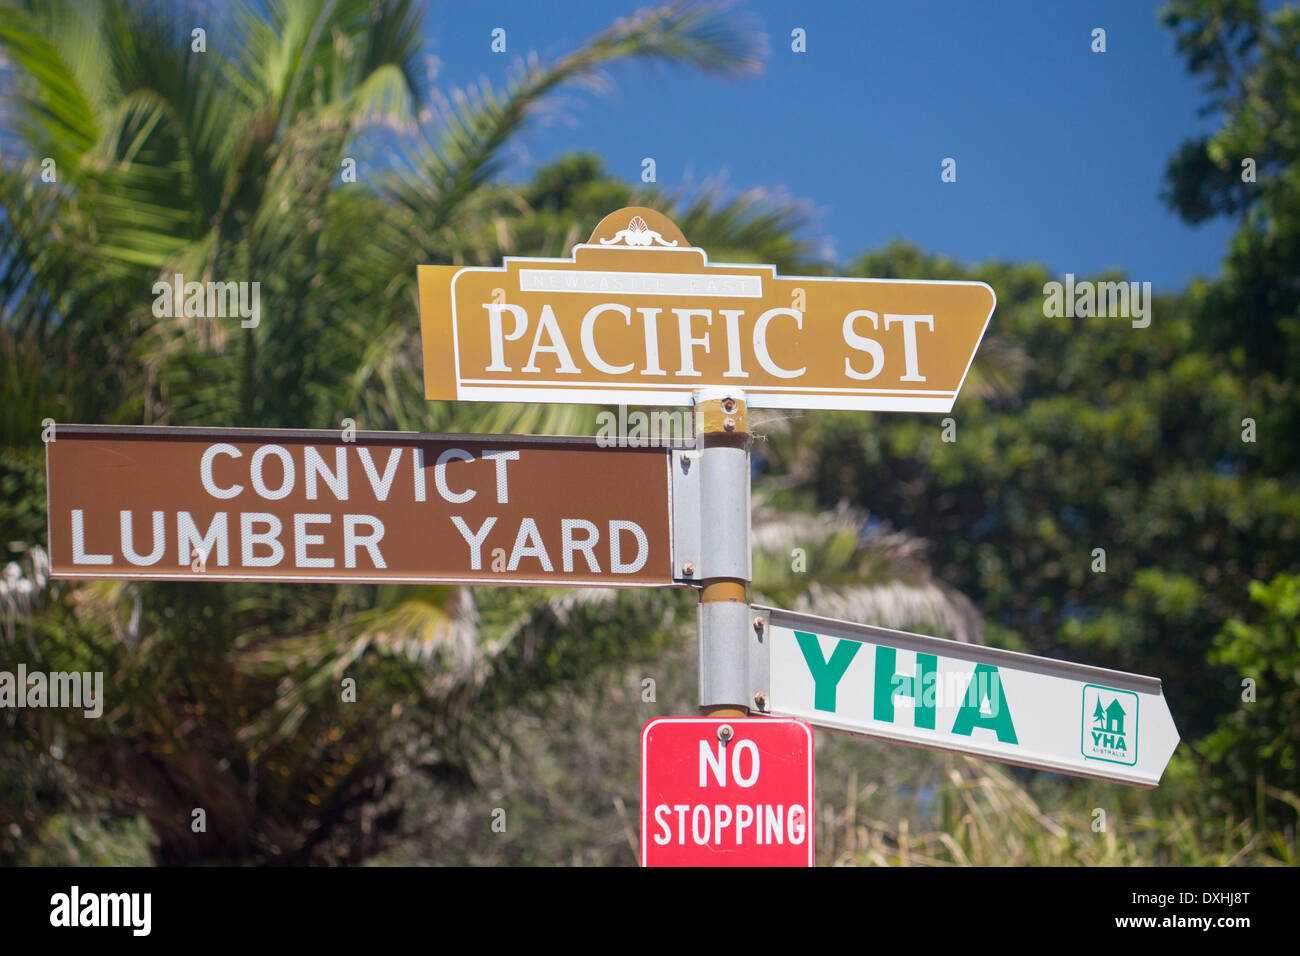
(477,122)
(55,116)
(839,564)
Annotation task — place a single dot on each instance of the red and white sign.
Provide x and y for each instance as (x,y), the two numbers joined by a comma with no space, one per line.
(729,792)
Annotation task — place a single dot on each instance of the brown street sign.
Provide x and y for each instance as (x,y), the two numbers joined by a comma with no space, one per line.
(295,505)
(639,316)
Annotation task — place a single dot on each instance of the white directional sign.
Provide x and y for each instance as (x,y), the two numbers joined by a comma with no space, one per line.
(946,695)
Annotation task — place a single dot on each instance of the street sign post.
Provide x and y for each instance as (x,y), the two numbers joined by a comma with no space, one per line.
(635,315)
(947,695)
(171,503)
(726,792)
(639,316)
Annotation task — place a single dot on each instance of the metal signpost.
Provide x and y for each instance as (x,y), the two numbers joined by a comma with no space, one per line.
(635,315)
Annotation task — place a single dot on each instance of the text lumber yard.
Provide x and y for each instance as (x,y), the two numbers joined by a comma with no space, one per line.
(635,315)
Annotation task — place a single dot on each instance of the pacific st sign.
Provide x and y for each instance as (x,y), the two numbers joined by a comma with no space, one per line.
(166,503)
(948,695)
(639,316)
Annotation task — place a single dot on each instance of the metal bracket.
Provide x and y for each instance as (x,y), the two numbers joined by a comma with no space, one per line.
(685,492)
(724,513)
(760,651)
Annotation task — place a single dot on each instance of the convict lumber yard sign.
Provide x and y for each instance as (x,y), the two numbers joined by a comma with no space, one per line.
(639,316)
(290,505)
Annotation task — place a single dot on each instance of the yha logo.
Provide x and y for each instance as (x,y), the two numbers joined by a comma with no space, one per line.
(1110,727)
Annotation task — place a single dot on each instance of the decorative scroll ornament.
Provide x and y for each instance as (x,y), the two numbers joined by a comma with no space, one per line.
(638,233)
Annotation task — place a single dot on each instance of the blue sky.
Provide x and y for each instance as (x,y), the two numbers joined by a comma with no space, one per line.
(1060,151)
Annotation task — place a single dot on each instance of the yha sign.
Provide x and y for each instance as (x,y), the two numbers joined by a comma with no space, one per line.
(966,698)
(639,316)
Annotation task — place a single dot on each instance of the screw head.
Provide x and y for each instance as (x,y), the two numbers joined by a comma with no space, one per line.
(725,733)
(728,404)
(729,424)
(758,624)
(760,700)
(688,569)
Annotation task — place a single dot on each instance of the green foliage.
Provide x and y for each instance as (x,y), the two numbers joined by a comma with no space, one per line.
(981,815)
(68,841)
(1247,61)
(1259,742)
